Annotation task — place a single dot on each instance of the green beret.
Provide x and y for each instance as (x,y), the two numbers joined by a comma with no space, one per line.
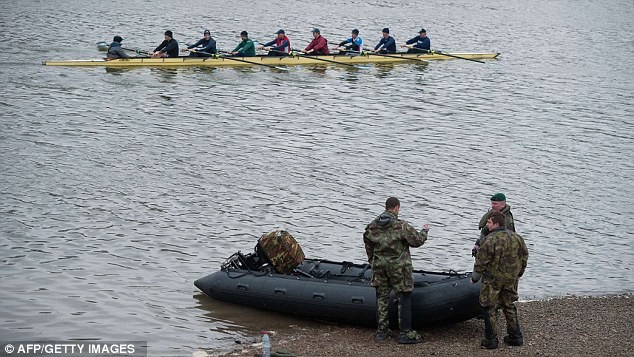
(498,197)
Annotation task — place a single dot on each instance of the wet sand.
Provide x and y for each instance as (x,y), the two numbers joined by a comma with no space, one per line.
(570,326)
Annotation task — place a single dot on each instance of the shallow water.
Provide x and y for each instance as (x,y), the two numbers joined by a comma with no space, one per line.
(120,188)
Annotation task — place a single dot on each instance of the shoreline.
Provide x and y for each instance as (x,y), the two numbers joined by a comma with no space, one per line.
(574,325)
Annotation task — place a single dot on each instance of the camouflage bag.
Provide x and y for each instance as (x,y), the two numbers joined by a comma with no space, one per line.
(282,250)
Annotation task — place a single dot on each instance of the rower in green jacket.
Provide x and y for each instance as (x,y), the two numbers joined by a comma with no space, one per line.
(246,48)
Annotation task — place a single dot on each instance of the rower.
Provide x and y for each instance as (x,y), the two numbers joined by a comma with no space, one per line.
(205,47)
(246,48)
(167,48)
(282,45)
(318,46)
(422,43)
(353,44)
(115,51)
(387,43)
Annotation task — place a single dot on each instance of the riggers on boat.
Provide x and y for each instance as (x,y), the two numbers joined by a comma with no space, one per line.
(337,291)
(269,60)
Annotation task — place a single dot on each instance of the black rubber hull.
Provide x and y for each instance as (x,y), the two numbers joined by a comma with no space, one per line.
(341,292)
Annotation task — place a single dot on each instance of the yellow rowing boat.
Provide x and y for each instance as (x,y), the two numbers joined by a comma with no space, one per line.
(268,60)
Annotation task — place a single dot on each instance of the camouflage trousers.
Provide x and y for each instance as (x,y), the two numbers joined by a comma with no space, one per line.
(496,295)
(385,278)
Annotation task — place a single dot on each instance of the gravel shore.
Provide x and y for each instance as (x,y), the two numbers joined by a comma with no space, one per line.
(571,326)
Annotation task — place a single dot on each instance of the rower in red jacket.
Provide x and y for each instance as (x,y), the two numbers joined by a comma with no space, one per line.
(318,46)
(282,45)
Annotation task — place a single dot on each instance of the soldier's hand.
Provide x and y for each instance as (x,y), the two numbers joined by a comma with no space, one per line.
(474,250)
(426,227)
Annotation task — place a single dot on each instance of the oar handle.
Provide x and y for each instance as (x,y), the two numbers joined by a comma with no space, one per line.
(204,53)
(278,51)
(421,50)
(318,58)
(439,52)
(138,51)
(398,55)
(229,58)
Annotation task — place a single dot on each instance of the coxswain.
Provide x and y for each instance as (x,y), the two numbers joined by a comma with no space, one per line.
(115,50)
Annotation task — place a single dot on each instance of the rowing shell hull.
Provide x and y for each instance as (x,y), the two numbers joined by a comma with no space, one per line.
(267,60)
(341,292)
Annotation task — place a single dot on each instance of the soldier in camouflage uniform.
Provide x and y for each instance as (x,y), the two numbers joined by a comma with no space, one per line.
(387,240)
(498,204)
(500,262)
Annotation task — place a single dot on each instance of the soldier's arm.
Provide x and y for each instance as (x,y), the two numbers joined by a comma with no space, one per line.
(369,246)
(483,220)
(482,260)
(413,237)
(511,227)
(524,257)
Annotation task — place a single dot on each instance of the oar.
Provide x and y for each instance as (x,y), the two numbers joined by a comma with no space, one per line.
(278,51)
(241,60)
(137,51)
(327,60)
(444,54)
(393,56)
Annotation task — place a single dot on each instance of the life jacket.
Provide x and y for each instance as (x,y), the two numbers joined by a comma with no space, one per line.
(278,42)
(355,46)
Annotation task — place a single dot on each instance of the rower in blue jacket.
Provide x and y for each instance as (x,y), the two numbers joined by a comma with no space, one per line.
(207,44)
(422,44)
(353,44)
(387,43)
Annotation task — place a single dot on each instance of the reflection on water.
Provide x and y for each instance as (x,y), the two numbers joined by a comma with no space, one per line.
(120,187)
(117,71)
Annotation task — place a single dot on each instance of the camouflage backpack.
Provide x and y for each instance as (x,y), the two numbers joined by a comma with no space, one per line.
(282,250)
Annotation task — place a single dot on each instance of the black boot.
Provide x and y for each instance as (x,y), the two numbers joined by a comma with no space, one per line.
(490,340)
(407,335)
(514,337)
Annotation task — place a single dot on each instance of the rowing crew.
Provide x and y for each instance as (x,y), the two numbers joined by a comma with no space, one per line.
(280,46)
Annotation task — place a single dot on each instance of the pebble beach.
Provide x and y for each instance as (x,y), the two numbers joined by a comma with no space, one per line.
(568,326)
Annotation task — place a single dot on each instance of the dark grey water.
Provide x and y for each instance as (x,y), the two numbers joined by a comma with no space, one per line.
(119,188)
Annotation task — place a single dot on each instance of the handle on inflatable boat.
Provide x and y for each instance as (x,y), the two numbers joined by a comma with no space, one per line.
(358,300)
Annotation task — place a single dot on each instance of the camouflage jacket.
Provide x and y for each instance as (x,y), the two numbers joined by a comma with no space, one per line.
(508,220)
(502,256)
(388,238)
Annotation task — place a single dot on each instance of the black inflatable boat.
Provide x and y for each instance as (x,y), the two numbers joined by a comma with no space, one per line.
(338,291)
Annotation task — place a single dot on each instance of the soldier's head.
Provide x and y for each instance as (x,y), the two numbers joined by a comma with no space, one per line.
(498,202)
(496,220)
(392,204)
